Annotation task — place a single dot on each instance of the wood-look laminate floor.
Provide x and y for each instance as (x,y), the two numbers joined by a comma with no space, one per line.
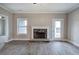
(39,48)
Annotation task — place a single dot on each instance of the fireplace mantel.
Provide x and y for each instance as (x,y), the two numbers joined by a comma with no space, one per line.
(40,27)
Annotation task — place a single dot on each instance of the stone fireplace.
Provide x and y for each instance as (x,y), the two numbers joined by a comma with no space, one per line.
(40,33)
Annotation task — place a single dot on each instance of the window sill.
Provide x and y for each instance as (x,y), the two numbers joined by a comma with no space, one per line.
(22,34)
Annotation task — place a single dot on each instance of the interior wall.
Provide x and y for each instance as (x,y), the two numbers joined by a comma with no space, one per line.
(73,26)
(38,19)
(7,13)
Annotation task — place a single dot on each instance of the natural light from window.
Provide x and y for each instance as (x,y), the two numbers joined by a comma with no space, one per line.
(22,26)
(57,29)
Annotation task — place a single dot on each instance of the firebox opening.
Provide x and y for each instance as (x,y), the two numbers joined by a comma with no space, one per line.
(40,33)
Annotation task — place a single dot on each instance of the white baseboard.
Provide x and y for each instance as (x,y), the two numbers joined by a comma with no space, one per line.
(76,44)
(37,39)
(31,39)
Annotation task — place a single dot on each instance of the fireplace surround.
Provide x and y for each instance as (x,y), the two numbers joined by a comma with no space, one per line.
(40,32)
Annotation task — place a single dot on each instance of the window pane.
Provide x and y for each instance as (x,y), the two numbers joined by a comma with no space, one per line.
(22,22)
(22,30)
(2,27)
(25,22)
(57,24)
(57,29)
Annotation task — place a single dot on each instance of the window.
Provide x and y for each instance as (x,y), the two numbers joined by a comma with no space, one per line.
(2,26)
(57,29)
(22,26)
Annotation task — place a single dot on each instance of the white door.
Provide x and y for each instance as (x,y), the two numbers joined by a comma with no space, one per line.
(57,28)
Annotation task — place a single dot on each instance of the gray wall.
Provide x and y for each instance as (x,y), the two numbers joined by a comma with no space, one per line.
(73,26)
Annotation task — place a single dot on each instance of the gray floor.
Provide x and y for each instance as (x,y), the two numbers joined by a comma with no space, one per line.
(39,48)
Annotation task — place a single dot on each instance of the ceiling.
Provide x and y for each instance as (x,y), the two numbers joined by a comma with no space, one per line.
(40,7)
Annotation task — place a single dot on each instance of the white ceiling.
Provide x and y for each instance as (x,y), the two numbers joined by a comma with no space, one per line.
(40,7)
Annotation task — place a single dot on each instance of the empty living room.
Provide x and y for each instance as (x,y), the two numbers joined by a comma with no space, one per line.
(39,28)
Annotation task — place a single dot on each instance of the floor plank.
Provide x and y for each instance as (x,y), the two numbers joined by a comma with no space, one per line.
(39,48)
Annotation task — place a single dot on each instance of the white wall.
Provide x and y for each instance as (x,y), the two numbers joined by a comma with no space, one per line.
(37,19)
(73,26)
